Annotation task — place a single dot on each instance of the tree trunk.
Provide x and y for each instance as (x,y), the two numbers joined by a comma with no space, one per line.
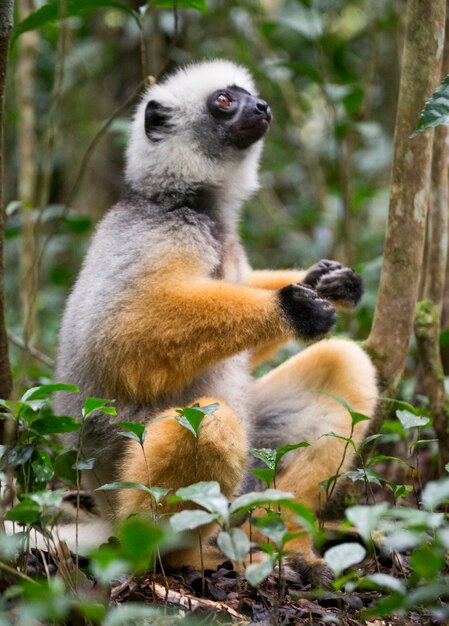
(392,327)
(27,176)
(428,312)
(6,23)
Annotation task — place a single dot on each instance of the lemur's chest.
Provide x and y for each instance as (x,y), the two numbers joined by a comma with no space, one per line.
(233,260)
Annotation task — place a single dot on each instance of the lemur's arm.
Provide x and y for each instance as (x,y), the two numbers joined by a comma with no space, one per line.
(166,331)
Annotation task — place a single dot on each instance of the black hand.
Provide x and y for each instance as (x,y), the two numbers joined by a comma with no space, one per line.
(309,315)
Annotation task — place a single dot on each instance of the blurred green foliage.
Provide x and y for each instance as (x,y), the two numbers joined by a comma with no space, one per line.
(330,73)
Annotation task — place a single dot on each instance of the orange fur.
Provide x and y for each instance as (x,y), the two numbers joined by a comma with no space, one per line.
(170,327)
(275,279)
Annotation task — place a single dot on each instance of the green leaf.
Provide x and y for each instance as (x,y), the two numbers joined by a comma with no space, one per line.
(435,493)
(192,417)
(343,556)
(26,512)
(399,491)
(199,5)
(366,518)
(411,420)
(267,455)
(427,562)
(257,572)
(368,474)
(17,456)
(138,539)
(387,582)
(207,495)
(356,418)
(158,493)
(98,404)
(265,474)
(84,464)
(272,526)
(123,484)
(135,431)
(255,498)
(53,424)
(336,436)
(46,498)
(436,109)
(384,457)
(234,544)
(36,393)
(284,449)
(188,520)
(51,12)
(63,466)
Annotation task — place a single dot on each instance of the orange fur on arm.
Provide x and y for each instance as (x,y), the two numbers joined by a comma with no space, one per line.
(275,279)
(164,333)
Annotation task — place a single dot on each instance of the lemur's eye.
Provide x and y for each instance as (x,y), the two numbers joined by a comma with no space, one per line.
(223,100)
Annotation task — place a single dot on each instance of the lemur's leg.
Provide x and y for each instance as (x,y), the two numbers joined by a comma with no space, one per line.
(175,461)
(292,404)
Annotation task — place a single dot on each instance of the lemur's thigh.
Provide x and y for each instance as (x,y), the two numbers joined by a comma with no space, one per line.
(172,459)
(292,404)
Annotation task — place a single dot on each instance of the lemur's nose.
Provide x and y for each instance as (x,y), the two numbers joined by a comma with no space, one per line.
(263,107)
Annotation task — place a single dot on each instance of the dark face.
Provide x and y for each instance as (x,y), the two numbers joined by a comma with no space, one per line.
(232,118)
(242,118)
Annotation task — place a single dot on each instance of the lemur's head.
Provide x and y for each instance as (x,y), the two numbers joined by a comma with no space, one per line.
(203,124)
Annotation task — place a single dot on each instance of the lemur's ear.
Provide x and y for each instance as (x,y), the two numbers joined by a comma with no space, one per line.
(157,120)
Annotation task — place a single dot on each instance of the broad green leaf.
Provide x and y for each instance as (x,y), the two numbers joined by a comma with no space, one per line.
(51,12)
(188,520)
(207,495)
(435,493)
(284,449)
(343,556)
(303,515)
(135,431)
(356,418)
(436,109)
(17,456)
(267,455)
(138,539)
(106,563)
(46,498)
(257,572)
(199,5)
(26,512)
(427,562)
(98,404)
(255,498)
(234,544)
(265,474)
(36,393)
(42,470)
(366,518)
(411,420)
(63,466)
(53,424)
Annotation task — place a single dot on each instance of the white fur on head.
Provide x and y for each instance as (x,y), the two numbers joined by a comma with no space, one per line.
(177,160)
